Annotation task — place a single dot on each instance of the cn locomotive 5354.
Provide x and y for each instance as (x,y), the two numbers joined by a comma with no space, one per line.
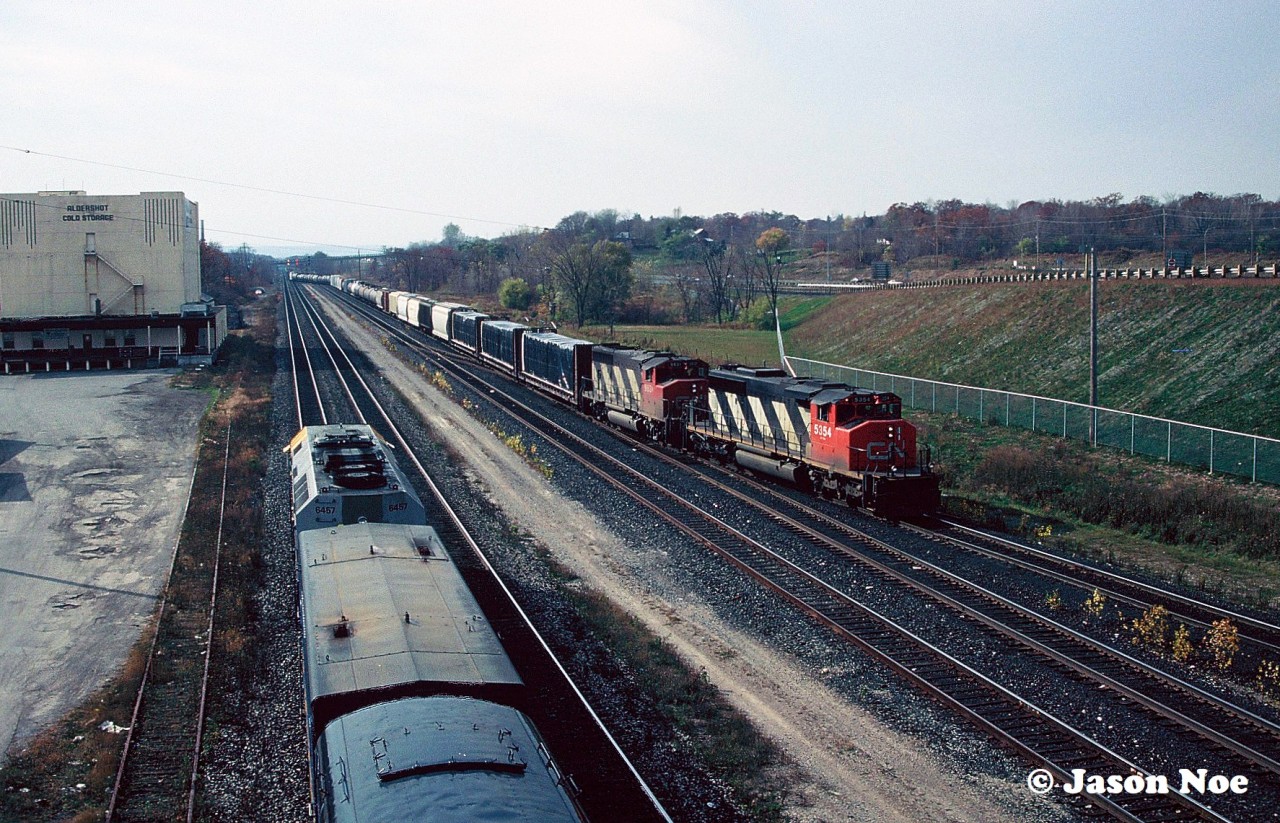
(843,442)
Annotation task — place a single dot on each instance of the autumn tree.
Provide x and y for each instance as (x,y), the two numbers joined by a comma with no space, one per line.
(451,236)
(769,248)
(483,259)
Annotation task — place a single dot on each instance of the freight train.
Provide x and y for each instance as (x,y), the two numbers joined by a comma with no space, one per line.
(414,710)
(839,441)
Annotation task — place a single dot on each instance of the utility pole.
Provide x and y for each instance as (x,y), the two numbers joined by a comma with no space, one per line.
(1164,234)
(1093,346)
(828,248)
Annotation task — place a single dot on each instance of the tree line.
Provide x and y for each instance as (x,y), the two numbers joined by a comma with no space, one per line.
(728,266)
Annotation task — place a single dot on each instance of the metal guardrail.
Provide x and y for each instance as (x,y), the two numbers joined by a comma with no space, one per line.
(1269,272)
(1217,450)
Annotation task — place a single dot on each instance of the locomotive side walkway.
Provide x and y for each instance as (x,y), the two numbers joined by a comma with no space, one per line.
(95,471)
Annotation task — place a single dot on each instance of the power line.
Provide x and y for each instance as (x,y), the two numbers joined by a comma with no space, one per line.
(266,190)
(937,225)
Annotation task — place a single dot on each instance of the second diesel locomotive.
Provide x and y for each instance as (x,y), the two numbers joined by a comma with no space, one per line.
(843,442)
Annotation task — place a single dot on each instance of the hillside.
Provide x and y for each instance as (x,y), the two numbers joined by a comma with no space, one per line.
(1203,352)
(1200,352)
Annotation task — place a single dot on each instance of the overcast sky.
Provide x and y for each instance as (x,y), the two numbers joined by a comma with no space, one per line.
(372,124)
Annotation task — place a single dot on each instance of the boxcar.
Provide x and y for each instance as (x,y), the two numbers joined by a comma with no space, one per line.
(499,342)
(556,364)
(465,331)
(442,319)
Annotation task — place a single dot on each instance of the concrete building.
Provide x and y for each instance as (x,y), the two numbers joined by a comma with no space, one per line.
(102,281)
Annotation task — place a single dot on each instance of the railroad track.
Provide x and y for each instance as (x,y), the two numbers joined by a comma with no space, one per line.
(1258,635)
(306,388)
(610,786)
(1240,739)
(159,767)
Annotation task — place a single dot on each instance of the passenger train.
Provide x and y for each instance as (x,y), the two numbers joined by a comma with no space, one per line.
(842,442)
(414,709)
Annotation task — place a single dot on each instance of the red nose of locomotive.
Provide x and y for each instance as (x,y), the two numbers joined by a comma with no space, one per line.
(881,445)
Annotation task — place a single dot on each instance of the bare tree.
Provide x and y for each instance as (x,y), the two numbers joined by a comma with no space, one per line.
(718,262)
(593,277)
(689,288)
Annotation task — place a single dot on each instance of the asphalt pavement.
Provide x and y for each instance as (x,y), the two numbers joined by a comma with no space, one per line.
(95,472)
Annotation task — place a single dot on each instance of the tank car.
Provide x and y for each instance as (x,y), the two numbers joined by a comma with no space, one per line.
(344,474)
(843,442)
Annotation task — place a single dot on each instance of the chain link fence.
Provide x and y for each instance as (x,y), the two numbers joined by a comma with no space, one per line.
(1217,450)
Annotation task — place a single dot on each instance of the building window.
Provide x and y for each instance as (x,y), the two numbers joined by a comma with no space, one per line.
(109,339)
(8,339)
(130,337)
(37,340)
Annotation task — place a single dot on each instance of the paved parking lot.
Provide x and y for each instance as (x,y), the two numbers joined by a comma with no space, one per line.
(95,469)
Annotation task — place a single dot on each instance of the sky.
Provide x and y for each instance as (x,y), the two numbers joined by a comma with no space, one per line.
(347,126)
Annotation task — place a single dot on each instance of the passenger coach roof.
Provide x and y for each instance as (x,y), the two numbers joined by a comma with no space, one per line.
(385,606)
(443,759)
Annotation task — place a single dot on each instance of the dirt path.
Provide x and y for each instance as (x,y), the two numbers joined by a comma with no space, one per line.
(855,767)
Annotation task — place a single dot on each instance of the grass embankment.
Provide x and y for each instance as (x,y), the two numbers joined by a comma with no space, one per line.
(1200,352)
(718,345)
(1184,526)
(67,772)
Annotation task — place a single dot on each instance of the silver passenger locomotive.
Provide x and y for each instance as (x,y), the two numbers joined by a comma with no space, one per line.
(413,705)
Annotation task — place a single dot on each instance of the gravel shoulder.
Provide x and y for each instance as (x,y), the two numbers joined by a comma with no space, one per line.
(852,765)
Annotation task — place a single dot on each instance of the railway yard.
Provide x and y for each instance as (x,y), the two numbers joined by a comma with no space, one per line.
(897,672)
